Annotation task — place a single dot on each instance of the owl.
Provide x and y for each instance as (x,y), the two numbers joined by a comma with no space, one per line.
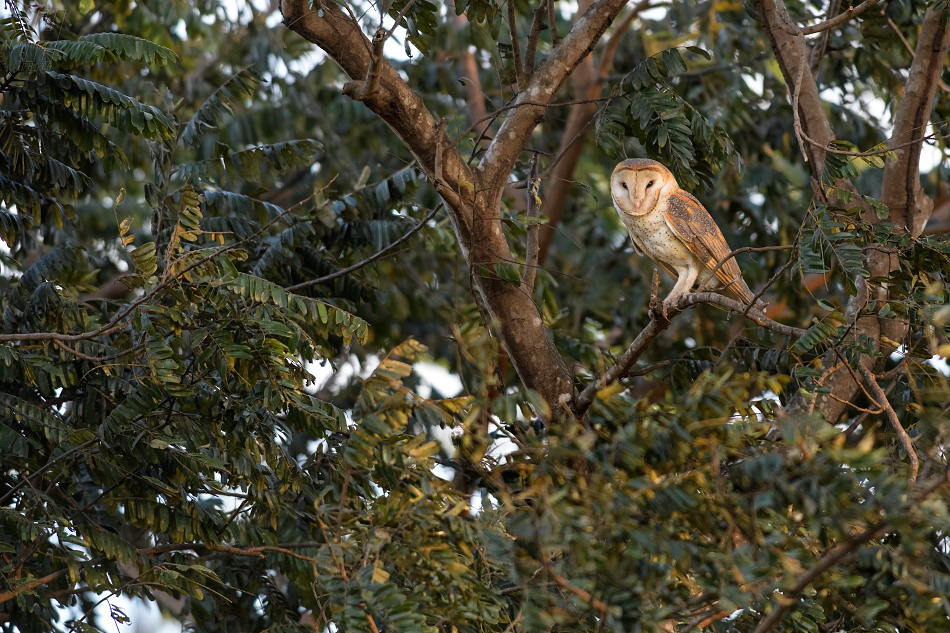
(674,230)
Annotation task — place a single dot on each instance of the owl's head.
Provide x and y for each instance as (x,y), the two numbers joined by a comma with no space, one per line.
(637,183)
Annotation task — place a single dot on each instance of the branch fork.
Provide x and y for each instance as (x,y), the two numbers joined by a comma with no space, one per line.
(362,90)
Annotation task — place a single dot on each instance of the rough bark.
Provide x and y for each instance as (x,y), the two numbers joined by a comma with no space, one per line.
(787,50)
(473,196)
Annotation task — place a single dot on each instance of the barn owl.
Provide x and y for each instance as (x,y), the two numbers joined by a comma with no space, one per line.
(674,230)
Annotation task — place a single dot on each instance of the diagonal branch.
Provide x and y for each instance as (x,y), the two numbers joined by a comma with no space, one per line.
(831,558)
(472,196)
(902,193)
(849,14)
(548,78)
(531,254)
(369,260)
(880,398)
(656,326)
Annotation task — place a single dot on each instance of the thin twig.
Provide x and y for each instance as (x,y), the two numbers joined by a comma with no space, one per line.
(850,14)
(515,45)
(834,556)
(748,249)
(565,585)
(399,18)
(781,271)
(369,260)
(910,49)
(533,212)
(881,400)
(537,25)
(822,46)
(362,90)
(552,24)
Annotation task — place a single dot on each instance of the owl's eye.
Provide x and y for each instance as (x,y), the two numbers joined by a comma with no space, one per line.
(624,185)
(649,184)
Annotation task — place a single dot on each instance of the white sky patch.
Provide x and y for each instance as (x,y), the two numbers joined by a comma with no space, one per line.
(324,373)
(653,13)
(433,376)
(755,82)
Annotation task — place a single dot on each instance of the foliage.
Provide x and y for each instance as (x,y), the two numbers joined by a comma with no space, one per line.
(188,203)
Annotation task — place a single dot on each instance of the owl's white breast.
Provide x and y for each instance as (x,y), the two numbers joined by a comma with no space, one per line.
(653,236)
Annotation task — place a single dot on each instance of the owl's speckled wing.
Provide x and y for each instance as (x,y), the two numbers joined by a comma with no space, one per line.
(690,221)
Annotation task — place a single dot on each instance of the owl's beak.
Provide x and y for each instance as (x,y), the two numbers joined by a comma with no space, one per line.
(637,203)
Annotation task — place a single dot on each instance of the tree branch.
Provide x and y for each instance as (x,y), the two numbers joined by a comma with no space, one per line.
(902,193)
(472,196)
(531,253)
(515,45)
(849,14)
(831,558)
(880,398)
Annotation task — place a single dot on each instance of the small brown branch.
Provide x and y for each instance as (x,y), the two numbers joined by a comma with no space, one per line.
(372,623)
(362,90)
(623,365)
(880,399)
(369,260)
(910,49)
(515,45)
(822,46)
(565,585)
(736,307)
(849,14)
(552,24)
(658,322)
(835,555)
(537,25)
(94,359)
(534,205)
(399,18)
(610,48)
(33,584)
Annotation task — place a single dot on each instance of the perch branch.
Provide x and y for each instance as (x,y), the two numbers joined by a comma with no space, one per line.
(658,323)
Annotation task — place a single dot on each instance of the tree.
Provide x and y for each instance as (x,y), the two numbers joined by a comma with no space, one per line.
(201,207)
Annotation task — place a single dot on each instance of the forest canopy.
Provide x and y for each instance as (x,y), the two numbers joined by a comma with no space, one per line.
(240,239)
